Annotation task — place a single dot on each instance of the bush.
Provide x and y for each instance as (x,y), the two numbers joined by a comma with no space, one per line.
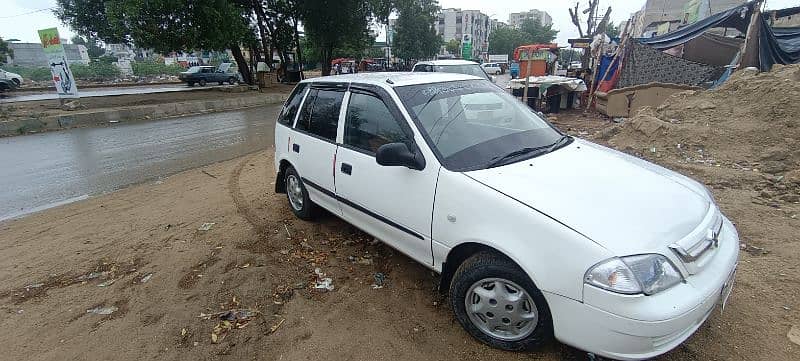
(95,71)
(31,72)
(151,68)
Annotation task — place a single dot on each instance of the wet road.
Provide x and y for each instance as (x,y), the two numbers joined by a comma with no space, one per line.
(23,96)
(44,170)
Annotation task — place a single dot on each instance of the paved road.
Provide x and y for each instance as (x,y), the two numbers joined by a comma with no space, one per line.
(23,96)
(45,170)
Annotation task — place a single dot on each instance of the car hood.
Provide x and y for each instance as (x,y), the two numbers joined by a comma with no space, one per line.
(623,203)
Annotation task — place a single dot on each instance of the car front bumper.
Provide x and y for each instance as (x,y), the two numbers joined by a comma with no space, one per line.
(634,327)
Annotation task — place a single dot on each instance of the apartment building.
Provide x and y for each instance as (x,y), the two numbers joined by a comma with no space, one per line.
(456,23)
(515,20)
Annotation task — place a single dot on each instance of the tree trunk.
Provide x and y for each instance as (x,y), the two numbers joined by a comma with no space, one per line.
(298,52)
(326,61)
(262,21)
(244,69)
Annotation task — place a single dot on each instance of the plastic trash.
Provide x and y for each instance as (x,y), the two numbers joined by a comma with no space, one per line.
(206,226)
(323,283)
(103,310)
(379,280)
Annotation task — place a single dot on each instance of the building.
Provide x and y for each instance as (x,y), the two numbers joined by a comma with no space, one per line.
(515,20)
(658,17)
(32,54)
(469,25)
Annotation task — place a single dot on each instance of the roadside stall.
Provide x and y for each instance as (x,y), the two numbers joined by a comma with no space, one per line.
(549,93)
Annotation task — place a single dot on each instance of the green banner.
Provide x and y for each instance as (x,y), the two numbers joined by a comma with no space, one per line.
(50,41)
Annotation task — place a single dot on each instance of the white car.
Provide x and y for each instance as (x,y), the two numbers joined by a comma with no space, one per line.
(536,234)
(492,68)
(16,78)
(452,66)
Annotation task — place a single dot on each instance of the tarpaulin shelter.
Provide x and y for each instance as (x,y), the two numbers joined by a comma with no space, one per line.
(772,45)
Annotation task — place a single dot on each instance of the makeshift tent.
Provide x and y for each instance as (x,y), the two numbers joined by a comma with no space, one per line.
(774,46)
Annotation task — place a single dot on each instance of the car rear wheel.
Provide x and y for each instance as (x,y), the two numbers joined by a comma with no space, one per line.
(231,80)
(498,304)
(16,81)
(191,83)
(296,192)
(202,82)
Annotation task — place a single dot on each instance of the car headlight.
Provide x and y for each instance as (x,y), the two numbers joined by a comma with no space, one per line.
(647,273)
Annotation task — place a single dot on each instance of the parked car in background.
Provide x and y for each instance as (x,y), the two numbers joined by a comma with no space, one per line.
(205,74)
(558,237)
(452,66)
(492,68)
(14,77)
(7,85)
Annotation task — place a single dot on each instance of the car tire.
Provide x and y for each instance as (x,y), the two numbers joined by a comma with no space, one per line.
(231,80)
(191,83)
(202,82)
(521,309)
(297,195)
(16,81)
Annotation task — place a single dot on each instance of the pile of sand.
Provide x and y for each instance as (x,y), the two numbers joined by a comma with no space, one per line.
(752,121)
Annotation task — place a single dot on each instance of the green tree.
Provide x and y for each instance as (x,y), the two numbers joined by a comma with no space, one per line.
(504,40)
(539,34)
(92,46)
(5,51)
(164,25)
(332,25)
(613,31)
(416,36)
(454,46)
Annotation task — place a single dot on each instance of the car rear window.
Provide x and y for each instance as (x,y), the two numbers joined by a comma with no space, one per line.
(289,110)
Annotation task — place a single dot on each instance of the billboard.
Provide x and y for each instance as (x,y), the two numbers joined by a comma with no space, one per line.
(466,46)
(57,61)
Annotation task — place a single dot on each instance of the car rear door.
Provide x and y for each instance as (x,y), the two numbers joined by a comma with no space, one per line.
(312,144)
(392,203)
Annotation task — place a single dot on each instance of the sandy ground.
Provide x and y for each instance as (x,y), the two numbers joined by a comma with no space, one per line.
(56,265)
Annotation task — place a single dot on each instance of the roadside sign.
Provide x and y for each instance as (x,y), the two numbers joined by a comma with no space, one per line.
(466,46)
(57,61)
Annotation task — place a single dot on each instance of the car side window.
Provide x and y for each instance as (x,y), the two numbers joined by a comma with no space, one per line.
(291,107)
(369,124)
(320,114)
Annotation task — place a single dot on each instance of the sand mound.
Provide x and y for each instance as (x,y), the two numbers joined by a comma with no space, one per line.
(752,121)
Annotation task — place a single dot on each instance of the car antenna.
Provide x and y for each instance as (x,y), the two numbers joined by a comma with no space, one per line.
(389,81)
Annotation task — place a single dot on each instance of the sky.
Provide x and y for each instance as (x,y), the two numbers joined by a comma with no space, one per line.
(18,21)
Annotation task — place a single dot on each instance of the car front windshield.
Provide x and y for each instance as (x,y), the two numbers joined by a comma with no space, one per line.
(469,69)
(473,124)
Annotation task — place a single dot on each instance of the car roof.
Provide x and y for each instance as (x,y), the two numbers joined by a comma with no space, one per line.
(394,79)
(448,62)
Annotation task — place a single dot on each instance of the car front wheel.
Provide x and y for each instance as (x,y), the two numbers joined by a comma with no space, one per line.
(498,304)
(231,80)
(296,192)
(202,82)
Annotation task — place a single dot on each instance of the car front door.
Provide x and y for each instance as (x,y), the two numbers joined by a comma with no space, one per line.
(392,203)
(312,146)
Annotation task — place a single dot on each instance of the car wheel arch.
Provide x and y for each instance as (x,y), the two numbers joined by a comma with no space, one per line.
(462,252)
(280,181)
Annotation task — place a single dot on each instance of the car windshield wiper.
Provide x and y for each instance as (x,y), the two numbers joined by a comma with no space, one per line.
(496,161)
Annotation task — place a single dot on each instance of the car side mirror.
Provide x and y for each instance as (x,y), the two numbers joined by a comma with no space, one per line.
(398,155)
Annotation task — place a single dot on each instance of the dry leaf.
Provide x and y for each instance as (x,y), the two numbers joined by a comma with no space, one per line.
(214,338)
(184,332)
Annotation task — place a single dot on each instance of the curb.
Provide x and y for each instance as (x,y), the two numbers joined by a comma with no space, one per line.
(96,86)
(142,113)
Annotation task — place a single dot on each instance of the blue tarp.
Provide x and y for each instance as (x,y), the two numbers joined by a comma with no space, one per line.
(776,45)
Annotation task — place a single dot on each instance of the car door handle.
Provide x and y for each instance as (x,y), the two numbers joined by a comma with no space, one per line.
(296,148)
(347,169)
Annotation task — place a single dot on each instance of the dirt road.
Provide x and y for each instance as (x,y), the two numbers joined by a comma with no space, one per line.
(56,265)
